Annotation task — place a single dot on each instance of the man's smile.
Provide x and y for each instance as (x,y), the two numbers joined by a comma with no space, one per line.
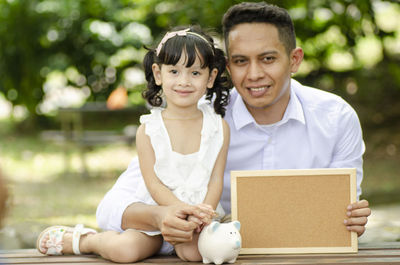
(259,90)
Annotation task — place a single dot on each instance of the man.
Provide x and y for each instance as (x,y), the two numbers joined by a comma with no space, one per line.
(276,123)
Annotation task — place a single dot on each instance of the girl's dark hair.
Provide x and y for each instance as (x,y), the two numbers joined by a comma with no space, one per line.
(195,47)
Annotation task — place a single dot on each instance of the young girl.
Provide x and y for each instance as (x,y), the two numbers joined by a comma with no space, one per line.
(182,148)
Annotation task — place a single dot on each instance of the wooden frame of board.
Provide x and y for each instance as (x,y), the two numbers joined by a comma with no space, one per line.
(294,211)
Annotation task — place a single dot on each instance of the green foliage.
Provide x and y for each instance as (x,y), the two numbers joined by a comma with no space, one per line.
(348,49)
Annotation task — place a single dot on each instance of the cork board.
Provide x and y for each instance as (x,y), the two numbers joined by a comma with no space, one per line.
(294,211)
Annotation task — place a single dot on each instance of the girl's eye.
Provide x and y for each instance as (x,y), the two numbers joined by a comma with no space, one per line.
(173,71)
(196,73)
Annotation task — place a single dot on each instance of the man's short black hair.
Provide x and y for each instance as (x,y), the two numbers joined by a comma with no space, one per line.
(261,12)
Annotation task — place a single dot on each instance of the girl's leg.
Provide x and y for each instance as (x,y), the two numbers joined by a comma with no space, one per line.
(129,246)
(189,251)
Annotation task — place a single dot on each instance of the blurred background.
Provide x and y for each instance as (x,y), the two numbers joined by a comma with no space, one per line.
(70,96)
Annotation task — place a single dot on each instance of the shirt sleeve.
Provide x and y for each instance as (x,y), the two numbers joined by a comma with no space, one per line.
(119,197)
(350,146)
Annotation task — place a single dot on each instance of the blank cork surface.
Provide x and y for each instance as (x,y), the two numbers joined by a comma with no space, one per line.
(292,211)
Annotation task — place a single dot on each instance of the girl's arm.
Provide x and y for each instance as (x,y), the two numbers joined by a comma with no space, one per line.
(216,182)
(160,193)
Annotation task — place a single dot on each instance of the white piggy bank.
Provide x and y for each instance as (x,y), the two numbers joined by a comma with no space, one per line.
(219,243)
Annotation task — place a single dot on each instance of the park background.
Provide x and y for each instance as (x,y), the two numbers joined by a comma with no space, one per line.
(67,53)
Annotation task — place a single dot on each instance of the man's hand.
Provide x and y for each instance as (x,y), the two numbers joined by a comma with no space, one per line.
(174,225)
(357,213)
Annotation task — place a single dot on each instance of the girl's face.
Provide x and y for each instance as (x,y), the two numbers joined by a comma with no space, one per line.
(184,86)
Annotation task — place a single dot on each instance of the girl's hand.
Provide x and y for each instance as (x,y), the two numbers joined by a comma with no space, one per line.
(173,222)
(197,221)
(207,212)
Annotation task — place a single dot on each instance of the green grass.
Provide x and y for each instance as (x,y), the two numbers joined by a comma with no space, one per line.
(42,194)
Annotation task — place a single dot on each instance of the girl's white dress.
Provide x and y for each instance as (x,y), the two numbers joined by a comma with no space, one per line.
(187,176)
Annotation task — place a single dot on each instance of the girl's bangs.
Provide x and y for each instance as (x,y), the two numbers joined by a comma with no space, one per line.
(191,47)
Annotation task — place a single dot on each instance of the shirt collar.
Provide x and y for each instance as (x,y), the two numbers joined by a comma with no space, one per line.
(242,117)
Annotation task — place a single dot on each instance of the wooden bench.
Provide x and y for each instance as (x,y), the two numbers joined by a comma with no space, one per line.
(379,253)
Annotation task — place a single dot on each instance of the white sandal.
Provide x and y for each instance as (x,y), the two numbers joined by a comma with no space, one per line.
(55,242)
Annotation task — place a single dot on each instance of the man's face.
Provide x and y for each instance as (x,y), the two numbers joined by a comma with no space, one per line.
(260,67)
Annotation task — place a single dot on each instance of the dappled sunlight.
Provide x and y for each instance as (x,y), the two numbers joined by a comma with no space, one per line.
(7,110)
(5,107)
(369,50)
(387,17)
(58,94)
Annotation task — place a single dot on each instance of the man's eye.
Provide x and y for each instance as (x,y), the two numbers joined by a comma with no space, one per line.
(269,59)
(239,61)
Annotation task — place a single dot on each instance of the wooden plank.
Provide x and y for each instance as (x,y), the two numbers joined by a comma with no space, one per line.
(88,260)
(325,261)
(54,259)
(364,256)
(360,254)
(240,260)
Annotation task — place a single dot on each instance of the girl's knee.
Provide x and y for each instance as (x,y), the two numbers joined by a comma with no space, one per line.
(123,250)
(132,246)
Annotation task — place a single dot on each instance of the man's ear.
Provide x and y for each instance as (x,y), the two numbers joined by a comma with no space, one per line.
(211,78)
(157,73)
(296,57)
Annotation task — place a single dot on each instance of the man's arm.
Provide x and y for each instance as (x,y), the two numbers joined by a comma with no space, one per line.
(170,220)
(348,154)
